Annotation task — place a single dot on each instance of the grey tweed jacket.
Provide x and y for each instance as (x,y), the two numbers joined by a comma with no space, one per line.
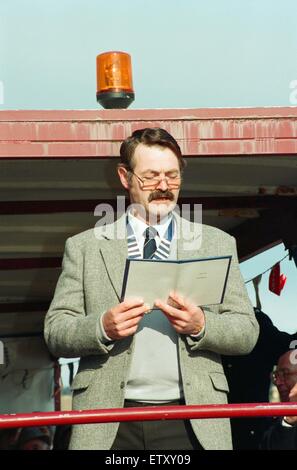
(90,284)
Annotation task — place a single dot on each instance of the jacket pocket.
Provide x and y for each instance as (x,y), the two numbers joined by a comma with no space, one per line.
(82,380)
(219,381)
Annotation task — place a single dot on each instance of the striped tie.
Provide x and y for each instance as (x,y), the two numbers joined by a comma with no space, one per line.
(150,245)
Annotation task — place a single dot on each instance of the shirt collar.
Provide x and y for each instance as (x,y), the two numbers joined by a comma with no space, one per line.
(139,226)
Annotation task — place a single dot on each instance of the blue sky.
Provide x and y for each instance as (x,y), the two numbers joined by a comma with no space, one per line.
(185,54)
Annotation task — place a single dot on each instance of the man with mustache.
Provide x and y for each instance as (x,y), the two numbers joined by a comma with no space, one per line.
(168,357)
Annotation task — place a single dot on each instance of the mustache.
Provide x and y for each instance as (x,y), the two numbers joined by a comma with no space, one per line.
(158,194)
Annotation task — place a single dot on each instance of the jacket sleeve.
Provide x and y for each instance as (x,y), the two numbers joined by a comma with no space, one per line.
(232,329)
(273,342)
(68,331)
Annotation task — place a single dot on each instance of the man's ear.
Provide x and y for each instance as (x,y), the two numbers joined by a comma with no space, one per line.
(123,175)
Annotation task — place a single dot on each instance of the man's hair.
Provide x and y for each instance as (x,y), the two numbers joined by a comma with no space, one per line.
(151,137)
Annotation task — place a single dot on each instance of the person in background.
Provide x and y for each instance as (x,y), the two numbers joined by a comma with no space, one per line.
(249,379)
(35,438)
(282,435)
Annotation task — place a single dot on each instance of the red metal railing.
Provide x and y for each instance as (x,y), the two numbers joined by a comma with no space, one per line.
(151,413)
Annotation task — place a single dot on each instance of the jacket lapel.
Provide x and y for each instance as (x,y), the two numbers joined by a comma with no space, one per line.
(114,254)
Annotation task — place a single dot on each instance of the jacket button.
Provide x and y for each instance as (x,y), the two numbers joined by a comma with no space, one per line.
(122,385)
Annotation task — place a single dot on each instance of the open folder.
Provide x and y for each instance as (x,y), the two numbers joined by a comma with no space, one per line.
(202,281)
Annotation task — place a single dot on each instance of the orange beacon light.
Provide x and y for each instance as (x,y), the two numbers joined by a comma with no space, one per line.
(114,80)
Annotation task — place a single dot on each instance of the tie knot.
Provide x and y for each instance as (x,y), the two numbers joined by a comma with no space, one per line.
(150,245)
(150,233)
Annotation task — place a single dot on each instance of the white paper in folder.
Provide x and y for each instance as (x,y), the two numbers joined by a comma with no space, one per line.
(203,281)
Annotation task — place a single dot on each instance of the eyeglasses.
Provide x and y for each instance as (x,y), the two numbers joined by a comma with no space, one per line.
(281,375)
(148,183)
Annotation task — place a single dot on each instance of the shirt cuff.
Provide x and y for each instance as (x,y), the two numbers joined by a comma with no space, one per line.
(286,425)
(102,335)
(199,335)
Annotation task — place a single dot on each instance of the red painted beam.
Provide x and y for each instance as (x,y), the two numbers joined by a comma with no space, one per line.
(149,413)
(98,134)
(194,130)
(190,148)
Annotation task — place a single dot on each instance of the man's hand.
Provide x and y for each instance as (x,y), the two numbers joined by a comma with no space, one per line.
(292,397)
(122,320)
(185,317)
